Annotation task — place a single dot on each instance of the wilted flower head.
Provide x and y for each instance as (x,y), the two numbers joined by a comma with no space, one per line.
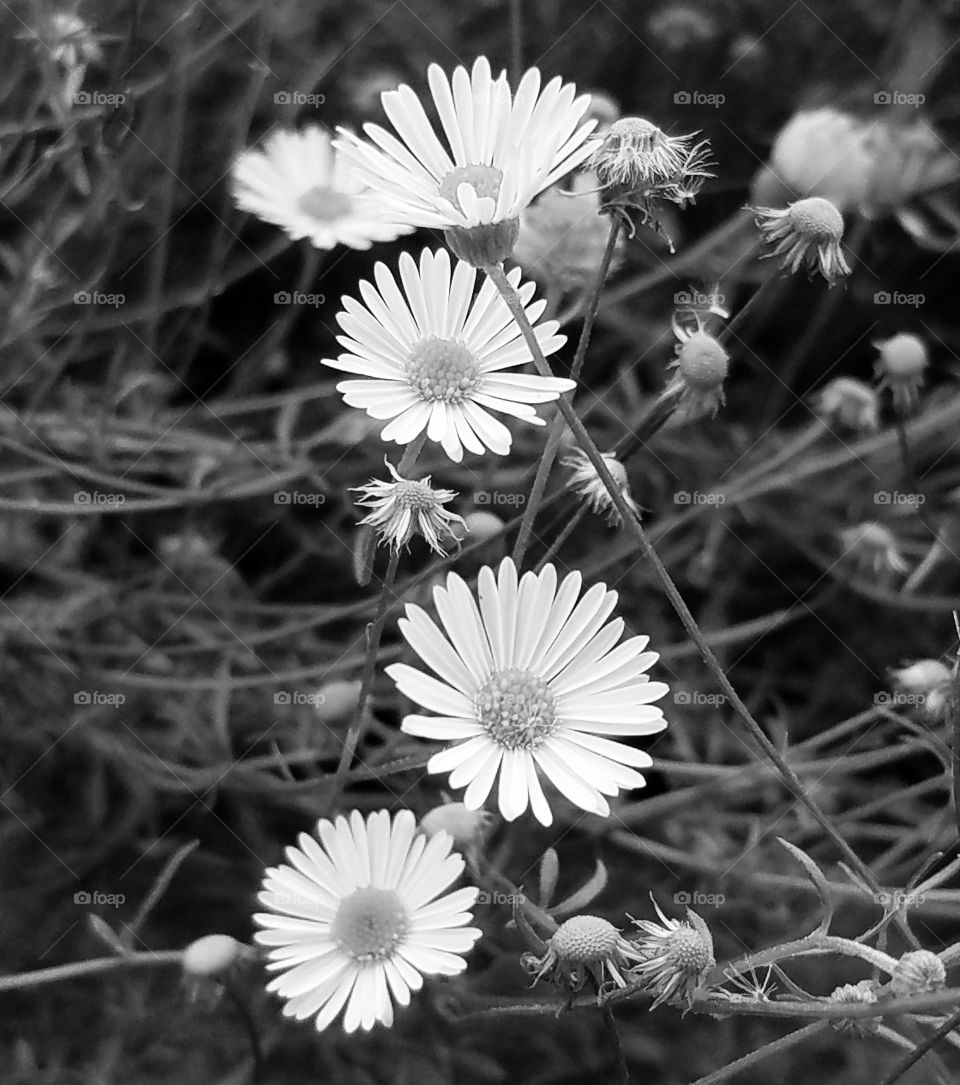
(857,994)
(586,483)
(584,945)
(637,164)
(900,367)
(563,236)
(701,366)
(873,548)
(407,507)
(677,954)
(849,404)
(917,972)
(301,184)
(502,149)
(807,232)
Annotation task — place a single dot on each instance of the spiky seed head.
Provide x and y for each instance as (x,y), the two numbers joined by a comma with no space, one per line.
(585,939)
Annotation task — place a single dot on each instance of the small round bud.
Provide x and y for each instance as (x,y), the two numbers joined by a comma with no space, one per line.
(916,973)
(701,366)
(211,955)
(848,404)
(336,700)
(900,367)
(585,939)
(482,525)
(465,826)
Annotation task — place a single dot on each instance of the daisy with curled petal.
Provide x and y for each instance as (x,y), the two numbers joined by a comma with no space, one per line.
(501,149)
(529,682)
(677,954)
(433,357)
(406,507)
(298,182)
(808,234)
(357,918)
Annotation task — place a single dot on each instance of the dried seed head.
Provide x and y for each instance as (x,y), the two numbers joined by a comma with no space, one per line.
(856,994)
(917,972)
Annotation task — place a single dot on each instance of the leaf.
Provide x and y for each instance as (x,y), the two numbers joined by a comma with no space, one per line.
(588,892)
(819,880)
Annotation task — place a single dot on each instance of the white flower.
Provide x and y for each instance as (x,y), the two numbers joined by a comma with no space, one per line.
(357,918)
(501,149)
(529,681)
(432,356)
(407,507)
(298,182)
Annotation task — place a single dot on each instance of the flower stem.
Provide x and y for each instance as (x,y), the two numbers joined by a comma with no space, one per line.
(556,426)
(633,527)
(374,635)
(82,969)
(775,1047)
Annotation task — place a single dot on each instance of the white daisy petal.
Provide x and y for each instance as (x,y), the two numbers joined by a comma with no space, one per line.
(389,922)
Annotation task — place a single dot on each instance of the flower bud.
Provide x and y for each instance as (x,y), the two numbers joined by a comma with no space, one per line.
(211,956)
(483,246)
(336,700)
(917,972)
(465,826)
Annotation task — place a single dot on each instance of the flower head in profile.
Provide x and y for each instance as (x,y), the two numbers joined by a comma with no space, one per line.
(930,682)
(900,367)
(583,946)
(700,368)
(407,507)
(529,681)
(499,151)
(638,164)
(807,233)
(359,914)
(873,549)
(677,954)
(299,183)
(433,357)
(585,482)
(850,405)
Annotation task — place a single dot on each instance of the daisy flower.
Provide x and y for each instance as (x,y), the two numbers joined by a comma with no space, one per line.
(298,182)
(407,507)
(529,682)
(433,357)
(808,232)
(500,151)
(357,918)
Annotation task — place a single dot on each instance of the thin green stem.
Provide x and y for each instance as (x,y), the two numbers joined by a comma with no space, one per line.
(775,1047)
(82,969)
(633,527)
(556,426)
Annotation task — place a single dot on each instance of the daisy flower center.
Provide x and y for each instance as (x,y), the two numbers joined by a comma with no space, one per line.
(324,203)
(370,923)
(442,369)
(516,709)
(485,180)
(415,496)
